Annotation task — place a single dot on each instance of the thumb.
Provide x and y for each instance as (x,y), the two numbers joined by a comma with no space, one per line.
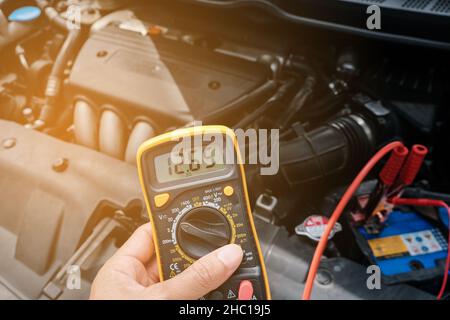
(205,275)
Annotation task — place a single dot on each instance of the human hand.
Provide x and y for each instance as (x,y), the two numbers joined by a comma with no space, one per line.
(132,273)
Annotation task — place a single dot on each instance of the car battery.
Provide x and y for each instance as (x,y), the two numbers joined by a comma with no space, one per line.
(409,248)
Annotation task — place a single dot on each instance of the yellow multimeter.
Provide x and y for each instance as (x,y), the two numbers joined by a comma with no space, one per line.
(194,185)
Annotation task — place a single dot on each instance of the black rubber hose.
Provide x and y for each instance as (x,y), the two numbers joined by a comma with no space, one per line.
(68,50)
(328,150)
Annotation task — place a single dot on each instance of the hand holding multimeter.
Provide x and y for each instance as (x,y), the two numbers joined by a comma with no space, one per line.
(132,274)
(197,201)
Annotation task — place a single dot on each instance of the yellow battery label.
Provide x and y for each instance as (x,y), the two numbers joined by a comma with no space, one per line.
(388,247)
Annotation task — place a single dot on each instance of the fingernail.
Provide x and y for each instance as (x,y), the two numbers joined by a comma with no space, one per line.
(230,255)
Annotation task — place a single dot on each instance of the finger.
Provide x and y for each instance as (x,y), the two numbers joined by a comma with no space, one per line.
(140,245)
(205,275)
(152,271)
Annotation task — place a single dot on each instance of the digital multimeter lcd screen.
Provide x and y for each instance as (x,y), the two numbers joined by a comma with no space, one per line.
(169,168)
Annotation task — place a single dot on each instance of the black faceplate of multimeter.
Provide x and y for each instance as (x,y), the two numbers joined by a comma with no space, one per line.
(204,191)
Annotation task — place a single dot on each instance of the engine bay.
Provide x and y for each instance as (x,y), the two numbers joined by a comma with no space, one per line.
(76,104)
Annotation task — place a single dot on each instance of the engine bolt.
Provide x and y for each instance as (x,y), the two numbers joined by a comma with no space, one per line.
(324,277)
(28,114)
(9,143)
(214,85)
(60,165)
(102,54)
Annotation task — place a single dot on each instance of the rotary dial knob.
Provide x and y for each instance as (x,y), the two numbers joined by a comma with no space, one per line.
(203,230)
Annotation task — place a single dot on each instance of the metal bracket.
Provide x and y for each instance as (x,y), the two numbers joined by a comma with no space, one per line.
(55,288)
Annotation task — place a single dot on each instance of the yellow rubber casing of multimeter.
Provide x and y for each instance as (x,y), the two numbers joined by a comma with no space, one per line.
(178,211)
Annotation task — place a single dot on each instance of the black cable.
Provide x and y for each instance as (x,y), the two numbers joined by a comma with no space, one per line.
(420,193)
(281,92)
(298,102)
(263,91)
(324,106)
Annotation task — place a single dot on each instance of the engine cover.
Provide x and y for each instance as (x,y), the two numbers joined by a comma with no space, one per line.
(168,81)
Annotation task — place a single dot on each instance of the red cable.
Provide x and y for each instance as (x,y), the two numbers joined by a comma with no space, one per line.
(430,203)
(413,164)
(389,173)
(338,212)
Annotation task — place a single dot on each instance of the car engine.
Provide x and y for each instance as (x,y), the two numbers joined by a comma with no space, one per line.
(76,104)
